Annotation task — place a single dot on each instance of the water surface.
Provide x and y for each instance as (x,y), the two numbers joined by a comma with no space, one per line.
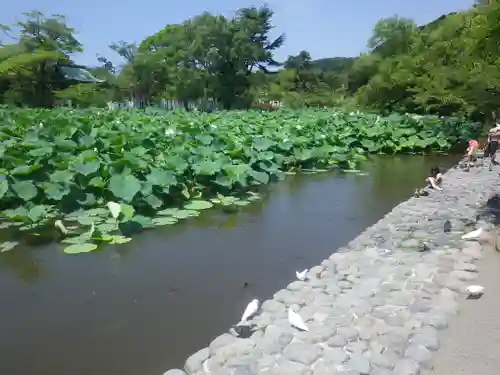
(143,307)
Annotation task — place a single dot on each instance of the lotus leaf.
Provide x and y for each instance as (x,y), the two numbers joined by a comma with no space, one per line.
(80,248)
(198,205)
(164,220)
(124,186)
(4,187)
(184,214)
(114,209)
(168,212)
(25,190)
(55,191)
(116,239)
(86,167)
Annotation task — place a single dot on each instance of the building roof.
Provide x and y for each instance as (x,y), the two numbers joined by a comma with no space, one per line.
(80,74)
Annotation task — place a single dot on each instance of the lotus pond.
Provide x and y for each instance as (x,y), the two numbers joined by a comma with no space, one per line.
(89,178)
(142,307)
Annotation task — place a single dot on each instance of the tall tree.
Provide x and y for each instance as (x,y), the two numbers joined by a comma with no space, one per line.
(229,50)
(28,65)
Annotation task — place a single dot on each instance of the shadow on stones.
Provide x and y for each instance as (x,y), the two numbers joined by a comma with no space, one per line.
(245,331)
(491,210)
(475,296)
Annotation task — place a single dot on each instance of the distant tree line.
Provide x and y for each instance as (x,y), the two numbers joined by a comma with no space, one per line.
(447,67)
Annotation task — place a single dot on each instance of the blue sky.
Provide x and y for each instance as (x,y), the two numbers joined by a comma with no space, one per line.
(325,28)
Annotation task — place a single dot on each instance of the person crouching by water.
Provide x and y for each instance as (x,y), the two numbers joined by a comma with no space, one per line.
(473,146)
(435,178)
(491,149)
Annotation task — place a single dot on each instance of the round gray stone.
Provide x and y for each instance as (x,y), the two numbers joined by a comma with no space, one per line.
(426,337)
(406,366)
(289,367)
(334,356)
(337,340)
(302,353)
(420,354)
(175,371)
(464,275)
(243,370)
(359,364)
(349,333)
(469,267)
(194,362)
(437,320)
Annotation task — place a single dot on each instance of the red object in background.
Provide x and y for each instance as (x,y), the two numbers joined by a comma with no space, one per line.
(473,143)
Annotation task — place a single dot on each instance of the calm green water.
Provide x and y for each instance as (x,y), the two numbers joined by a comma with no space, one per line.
(143,307)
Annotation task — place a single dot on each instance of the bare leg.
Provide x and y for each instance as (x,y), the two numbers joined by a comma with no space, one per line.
(432,181)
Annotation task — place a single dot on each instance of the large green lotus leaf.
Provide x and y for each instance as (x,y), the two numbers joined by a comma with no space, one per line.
(62,176)
(4,187)
(64,143)
(86,140)
(261,177)
(223,180)
(41,151)
(176,163)
(96,212)
(85,220)
(80,248)
(262,144)
(116,239)
(55,191)
(97,181)
(164,220)
(168,212)
(205,139)
(127,211)
(143,221)
(36,213)
(161,177)
(86,167)
(184,214)
(153,201)
(25,190)
(207,167)
(198,205)
(146,188)
(124,187)
(25,169)
(241,202)
(114,208)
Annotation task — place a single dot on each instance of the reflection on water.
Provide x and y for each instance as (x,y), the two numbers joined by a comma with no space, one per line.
(142,307)
(23,263)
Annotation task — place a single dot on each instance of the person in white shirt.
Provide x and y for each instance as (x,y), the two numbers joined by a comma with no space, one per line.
(491,148)
(435,178)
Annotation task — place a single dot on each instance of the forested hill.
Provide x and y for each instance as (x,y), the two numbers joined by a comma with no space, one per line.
(341,65)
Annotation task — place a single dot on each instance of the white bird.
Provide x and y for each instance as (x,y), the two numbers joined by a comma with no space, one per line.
(251,309)
(472,235)
(475,290)
(296,321)
(301,275)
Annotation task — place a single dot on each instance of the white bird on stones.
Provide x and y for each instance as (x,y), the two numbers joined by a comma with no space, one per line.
(473,235)
(296,320)
(251,309)
(301,275)
(475,290)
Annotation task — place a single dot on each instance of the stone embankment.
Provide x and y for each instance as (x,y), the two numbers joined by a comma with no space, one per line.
(374,307)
